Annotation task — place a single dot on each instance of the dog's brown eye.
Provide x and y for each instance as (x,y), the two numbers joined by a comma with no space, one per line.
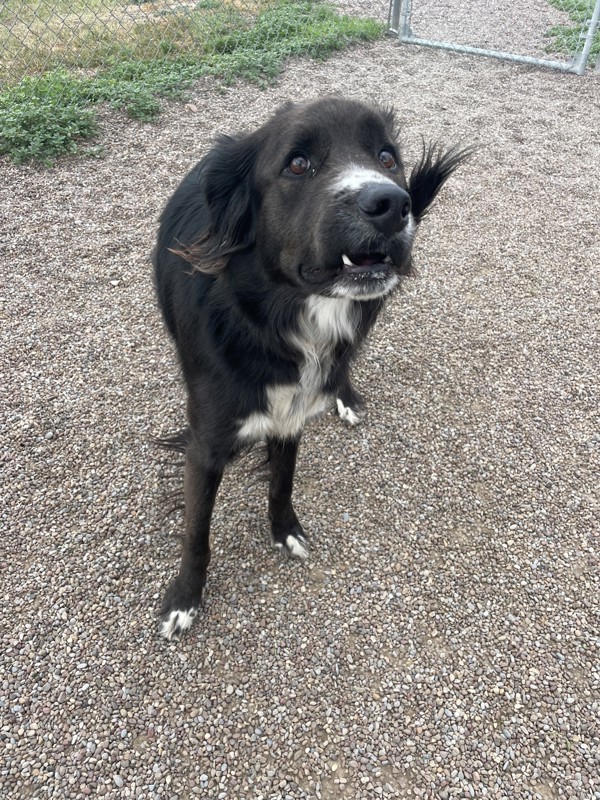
(299,165)
(387,159)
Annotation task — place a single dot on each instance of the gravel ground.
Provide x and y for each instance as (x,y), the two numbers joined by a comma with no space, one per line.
(443,641)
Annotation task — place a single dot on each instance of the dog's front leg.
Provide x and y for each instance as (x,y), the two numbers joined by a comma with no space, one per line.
(286,530)
(183,597)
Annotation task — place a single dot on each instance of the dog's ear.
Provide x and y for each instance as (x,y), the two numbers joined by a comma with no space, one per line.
(227,179)
(430,174)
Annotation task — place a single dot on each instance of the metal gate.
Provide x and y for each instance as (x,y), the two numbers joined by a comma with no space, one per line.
(560,34)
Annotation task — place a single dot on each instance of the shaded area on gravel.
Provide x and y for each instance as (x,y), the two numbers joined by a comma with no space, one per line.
(443,640)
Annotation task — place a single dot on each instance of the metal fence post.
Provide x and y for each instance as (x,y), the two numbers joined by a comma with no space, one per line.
(581,60)
(405,13)
(400,11)
(394,16)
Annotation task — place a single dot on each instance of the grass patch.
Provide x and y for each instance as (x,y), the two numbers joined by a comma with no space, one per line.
(567,38)
(43,117)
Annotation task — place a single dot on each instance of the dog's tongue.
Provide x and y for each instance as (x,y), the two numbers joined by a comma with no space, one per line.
(362,259)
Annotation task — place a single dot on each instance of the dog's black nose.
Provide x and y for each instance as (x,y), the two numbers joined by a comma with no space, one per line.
(384,205)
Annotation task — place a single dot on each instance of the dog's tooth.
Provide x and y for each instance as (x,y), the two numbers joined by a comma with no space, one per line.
(347,261)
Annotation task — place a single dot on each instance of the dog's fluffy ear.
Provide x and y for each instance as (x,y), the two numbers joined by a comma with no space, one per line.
(430,174)
(227,176)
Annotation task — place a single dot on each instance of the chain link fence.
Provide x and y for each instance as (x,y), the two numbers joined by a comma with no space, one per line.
(85,35)
(561,34)
(36,37)
(60,58)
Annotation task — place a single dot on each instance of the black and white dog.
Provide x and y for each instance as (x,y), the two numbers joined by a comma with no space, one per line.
(274,258)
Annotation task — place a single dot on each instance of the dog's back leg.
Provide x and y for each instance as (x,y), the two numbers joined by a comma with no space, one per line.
(183,597)
(286,530)
(350,405)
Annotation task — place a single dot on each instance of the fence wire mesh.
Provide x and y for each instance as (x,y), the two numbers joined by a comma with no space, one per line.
(562,34)
(36,37)
(60,58)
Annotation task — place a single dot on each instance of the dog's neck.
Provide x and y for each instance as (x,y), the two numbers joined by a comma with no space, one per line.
(324,322)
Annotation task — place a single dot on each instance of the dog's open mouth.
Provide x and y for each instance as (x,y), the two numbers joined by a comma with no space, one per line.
(366,262)
(365,276)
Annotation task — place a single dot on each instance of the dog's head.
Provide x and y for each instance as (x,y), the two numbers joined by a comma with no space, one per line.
(321,193)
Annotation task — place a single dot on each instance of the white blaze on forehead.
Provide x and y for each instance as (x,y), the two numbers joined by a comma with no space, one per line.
(354,178)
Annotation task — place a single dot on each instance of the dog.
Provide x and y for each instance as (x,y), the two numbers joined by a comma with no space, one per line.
(274,257)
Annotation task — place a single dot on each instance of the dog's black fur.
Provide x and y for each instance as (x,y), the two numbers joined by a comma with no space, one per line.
(274,258)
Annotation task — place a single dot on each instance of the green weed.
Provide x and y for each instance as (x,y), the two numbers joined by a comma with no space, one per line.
(42,118)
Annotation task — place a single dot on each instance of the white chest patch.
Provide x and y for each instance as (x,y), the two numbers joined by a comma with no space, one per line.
(324,322)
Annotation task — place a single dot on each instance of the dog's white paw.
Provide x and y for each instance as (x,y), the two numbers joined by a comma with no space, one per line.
(294,546)
(297,547)
(348,414)
(175,623)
